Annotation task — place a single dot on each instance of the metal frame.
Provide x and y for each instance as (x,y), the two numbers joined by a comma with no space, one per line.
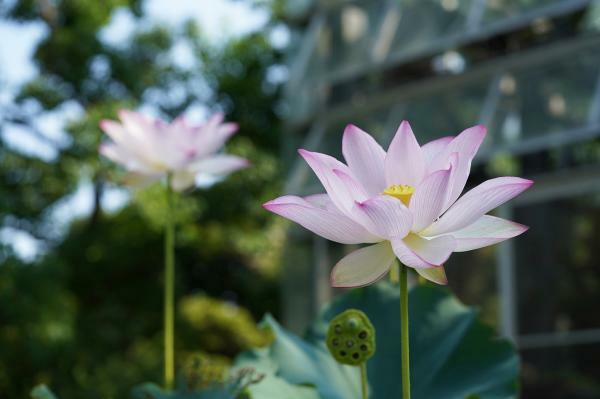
(594,115)
(300,62)
(570,338)
(473,32)
(493,70)
(505,272)
(563,184)
(567,184)
(514,62)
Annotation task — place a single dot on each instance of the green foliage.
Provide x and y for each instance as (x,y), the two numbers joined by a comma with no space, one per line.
(292,360)
(453,355)
(202,371)
(38,324)
(234,384)
(42,392)
(85,318)
(219,324)
(152,391)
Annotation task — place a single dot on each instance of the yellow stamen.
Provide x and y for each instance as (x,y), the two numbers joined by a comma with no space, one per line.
(400,191)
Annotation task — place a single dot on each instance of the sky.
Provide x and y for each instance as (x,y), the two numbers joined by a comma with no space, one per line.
(219,20)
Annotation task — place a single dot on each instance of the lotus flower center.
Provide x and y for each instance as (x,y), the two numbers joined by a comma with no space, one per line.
(401,191)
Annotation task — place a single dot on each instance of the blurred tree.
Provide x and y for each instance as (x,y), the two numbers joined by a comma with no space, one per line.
(85,316)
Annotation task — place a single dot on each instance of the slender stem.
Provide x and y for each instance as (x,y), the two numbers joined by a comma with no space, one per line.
(363,380)
(404,332)
(394,275)
(169,290)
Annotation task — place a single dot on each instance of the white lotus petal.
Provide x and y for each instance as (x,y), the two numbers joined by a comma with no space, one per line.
(320,216)
(477,202)
(219,164)
(365,158)
(385,216)
(434,148)
(487,230)
(435,274)
(404,162)
(434,250)
(429,198)
(407,256)
(363,266)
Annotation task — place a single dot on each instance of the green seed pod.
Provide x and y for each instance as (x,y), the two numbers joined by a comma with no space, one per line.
(351,337)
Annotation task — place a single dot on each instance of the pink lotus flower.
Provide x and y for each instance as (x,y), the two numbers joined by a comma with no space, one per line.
(404,202)
(150,149)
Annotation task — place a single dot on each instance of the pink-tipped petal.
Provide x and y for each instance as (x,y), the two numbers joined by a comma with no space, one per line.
(487,230)
(137,124)
(407,256)
(465,145)
(212,136)
(429,198)
(434,148)
(180,122)
(128,159)
(318,215)
(435,250)
(477,202)
(324,165)
(363,267)
(219,165)
(146,137)
(115,153)
(226,130)
(216,119)
(385,216)
(404,162)
(152,146)
(122,137)
(365,158)
(352,186)
(434,274)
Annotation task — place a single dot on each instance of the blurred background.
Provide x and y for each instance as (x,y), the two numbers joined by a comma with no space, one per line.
(81,257)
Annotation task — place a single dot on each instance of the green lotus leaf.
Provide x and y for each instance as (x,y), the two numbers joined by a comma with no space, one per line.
(153,391)
(42,392)
(453,355)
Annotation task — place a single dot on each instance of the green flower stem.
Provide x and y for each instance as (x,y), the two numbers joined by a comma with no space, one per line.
(394,275)
(404,347)
(363,380)
(169,290)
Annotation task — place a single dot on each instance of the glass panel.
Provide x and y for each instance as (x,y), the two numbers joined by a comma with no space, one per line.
(472,277)
(345,40)
(299,259)
(557,373)
(432,115)
(352,27)
(500,9)
(558,273)
(446,112)
(547,99)
(423,23)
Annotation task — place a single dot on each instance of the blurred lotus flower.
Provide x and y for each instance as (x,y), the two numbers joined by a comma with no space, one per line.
(405,202)
(150,149)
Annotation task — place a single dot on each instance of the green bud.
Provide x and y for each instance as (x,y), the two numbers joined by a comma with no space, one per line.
(351,337)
